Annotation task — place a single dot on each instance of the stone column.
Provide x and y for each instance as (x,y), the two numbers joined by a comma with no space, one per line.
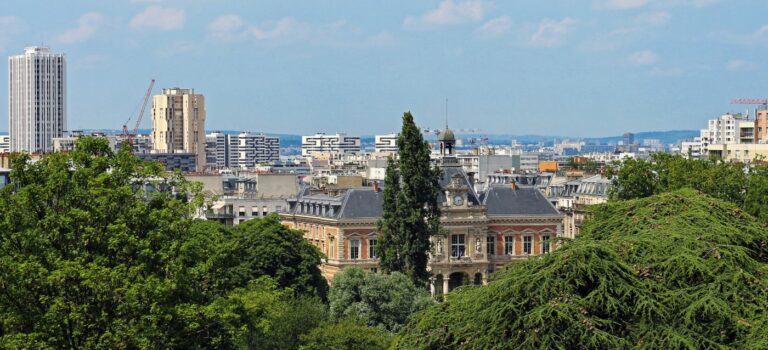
(446,279)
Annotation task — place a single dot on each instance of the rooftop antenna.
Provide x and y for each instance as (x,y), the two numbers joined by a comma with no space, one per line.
(446,112)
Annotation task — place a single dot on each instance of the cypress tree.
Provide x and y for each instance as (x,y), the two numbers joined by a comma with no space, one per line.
(411,214)
(389,246)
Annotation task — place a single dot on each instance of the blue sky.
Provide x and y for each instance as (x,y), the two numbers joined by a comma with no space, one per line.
(560,67)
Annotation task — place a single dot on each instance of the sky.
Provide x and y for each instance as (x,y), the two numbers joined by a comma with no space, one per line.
(551,67)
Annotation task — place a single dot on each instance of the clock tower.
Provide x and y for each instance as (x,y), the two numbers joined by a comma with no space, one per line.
(456,192)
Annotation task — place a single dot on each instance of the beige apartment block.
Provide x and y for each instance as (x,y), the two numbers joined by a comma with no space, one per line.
(178,123)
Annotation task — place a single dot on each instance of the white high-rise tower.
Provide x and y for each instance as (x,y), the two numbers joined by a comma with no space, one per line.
(37,99)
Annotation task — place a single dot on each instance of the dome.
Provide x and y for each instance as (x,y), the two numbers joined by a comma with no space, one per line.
(446,135)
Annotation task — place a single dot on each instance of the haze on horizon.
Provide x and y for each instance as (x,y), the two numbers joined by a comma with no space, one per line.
(571,68)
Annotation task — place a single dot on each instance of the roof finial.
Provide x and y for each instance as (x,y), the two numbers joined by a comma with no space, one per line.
(446,112)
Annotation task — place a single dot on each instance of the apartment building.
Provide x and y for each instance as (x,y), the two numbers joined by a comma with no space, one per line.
(337,143)
(178,123)
(37,99)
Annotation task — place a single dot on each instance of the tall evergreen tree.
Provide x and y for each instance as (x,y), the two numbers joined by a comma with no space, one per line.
(389,246)
(407,225)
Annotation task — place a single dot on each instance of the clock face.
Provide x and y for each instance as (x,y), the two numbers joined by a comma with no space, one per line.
(458,200)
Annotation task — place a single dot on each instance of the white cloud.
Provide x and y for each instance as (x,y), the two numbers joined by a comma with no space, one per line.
(448,13)
(643,58)
(739,65)
(227,27)
(158,17)
(88,25)
(495,27)
(9,27)
(653,19)
(233,28)
(666,72)
(628,32)
(282,28)
(634,4)
(551,33)
(759,36)
(623,4)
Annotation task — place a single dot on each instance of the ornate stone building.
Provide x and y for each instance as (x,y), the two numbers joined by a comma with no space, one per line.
(482,232)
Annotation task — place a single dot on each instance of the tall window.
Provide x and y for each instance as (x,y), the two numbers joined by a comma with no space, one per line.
(457,246)
(372,249)
(354,249)
(490,245)
(508,241)
(544,244)
(527,244)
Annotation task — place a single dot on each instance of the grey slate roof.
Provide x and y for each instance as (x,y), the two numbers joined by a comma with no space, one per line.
(505,200)
(362,203)
(445,181)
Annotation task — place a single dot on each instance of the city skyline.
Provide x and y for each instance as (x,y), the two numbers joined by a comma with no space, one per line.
(590,69)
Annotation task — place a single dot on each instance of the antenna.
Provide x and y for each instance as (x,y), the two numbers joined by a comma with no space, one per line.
(446,112)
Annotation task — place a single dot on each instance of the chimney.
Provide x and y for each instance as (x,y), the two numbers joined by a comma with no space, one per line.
(375,186)
(471,177)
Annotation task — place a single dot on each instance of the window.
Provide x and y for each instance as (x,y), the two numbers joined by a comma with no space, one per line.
(242,211)
(457,246)
(374,270)
(544,244)
(372,249)
(527,244)
(490,245)
(508,245)
(354,249)
(254,211)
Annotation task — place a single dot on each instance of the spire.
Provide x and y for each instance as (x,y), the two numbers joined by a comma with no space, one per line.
(446,112)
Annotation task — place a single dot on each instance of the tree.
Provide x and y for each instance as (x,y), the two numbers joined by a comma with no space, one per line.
(99,250)
(346,334)
(680,270)
(635,179)
(390,248)
(382,300)
(414,217)
(266,247)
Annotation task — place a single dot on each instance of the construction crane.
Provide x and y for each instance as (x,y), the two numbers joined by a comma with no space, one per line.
(130,135)
(750,101)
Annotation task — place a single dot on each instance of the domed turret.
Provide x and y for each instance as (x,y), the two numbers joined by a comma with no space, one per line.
(446,135)
(447,140)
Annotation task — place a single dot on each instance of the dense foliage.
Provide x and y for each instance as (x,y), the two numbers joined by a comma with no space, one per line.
(411,212)
(680,270)
(382,300)
(346,334)
(99,250)
(746,187)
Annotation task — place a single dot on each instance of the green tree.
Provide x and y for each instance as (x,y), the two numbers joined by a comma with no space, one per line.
(635,178)
(680,270)
(346,334)
(266,247)
(414,217)
(389,248)
(99,250)
(383,300)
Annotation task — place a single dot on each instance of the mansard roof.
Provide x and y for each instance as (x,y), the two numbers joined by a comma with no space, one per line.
(509,201)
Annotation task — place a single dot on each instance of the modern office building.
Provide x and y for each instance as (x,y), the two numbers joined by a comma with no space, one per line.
(385,143)
(37,99)
(322,143)
(178,123)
